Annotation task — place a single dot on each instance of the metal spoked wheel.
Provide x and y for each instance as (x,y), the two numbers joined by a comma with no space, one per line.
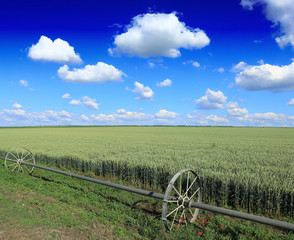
(183,189)
(15,157)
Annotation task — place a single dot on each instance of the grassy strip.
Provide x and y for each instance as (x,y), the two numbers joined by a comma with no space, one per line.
(56,204)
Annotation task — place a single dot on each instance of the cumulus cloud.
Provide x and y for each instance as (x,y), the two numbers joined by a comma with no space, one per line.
(166,114)
(158,34)
(193,63)
(20,117)
(241,117)
(75,102)
(54,51)
(281,13)
(291,103)
(196,64)
(143,92)
(201,118)
(237,111)
(89,103)
(265,77)
(24,83)
(65,114)
(232,105)
(17,112)
(166,83)
(220,70)
(85,118)
(240,67)
(211,100)
(215,118)
(103,118)
(16,105)
(100,73)
(66,96)
(123,114)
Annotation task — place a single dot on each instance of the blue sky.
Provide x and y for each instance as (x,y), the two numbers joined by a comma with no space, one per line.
(147,62)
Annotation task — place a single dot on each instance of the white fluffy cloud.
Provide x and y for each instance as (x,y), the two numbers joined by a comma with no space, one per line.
(193,63)
(54,51)
(17,106)
(221,70)
(123,114)
(17,112)
(230,105)
(265,77)
(241,117)
(215,118)
(103,118)
(211,100)
(85,118)
(89,103)
(281,13)
(241,66)
(202,119)
(291,103)
(20,117)
(143,92)
(24,83)
(268,116)
(166,114)
(66,96)
(75,102)
(100,73)
(158,34)
(237,111)
(166,83)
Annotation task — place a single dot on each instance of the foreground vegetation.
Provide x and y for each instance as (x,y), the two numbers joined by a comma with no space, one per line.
(248,167)
(46,205)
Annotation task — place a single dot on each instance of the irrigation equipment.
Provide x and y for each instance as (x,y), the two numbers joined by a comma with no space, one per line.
(181,201)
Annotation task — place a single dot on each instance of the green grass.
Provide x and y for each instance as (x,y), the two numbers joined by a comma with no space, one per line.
(57,204)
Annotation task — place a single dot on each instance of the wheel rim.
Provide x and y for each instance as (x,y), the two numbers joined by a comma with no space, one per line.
(182,190)
(16,157)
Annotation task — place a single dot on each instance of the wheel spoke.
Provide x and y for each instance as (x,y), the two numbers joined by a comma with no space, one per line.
(173,211)
(185,217)
(180,184)
(14,155)
(17,153)
(12,160)
(192,214)
(27,168)
(181,217)
(174,219)
(176,191)
(8,165)
(187,184)
(194,193)
(26,156)
(14,168)
(191,185)
(29,159)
